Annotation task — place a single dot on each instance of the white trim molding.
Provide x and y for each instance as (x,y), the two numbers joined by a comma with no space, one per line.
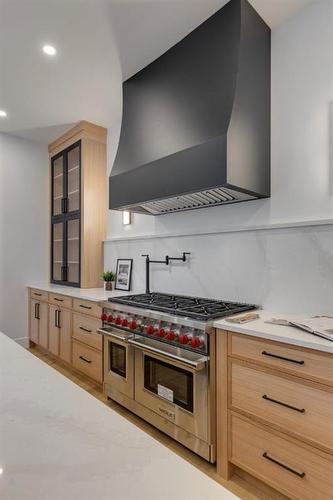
(259,227)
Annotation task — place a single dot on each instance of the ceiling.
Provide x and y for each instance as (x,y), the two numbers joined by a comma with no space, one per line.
(99,44)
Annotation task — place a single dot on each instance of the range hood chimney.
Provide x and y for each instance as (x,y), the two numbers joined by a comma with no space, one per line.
(196,121)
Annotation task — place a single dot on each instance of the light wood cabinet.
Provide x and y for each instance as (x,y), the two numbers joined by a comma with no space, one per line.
(65,347)
(295,470)
(85,330)
(78,206)
(275,414)
(34,323)
(43,325)
(38,319)
(54,333)
(88,361)
(60,335)
(67,328)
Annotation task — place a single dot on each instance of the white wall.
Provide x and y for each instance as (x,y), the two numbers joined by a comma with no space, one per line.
(24,217)
(285,268)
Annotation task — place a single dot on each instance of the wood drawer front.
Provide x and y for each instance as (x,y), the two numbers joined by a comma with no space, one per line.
(85,330)
(88,361)
(249,442)
(304,363)
(60,300)
(39,294)
(87,307)
(310,412)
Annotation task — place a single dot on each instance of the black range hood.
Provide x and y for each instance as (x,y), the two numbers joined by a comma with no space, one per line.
(196,121)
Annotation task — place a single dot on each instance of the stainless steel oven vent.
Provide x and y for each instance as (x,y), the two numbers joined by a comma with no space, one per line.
(202,199)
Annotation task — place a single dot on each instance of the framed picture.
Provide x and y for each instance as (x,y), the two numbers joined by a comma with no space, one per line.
(124,274)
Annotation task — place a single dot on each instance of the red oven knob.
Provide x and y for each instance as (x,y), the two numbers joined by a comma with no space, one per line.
(183,339)
(195,342)
(124,322)
(170,335)
(104,317)
(110,318)
(118,320)
(150,330)
(161,332)
(133,325)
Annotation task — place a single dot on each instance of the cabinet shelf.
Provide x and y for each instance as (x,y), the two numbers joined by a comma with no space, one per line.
(73,168)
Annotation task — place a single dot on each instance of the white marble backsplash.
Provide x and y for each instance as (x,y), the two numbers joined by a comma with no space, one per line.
(287,270)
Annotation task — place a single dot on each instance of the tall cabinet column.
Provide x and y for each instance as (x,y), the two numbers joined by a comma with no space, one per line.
(78,206)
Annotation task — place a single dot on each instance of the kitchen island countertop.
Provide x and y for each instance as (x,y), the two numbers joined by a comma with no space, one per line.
(59,442)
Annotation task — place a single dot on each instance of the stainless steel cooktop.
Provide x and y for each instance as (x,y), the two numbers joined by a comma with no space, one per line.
(198,308)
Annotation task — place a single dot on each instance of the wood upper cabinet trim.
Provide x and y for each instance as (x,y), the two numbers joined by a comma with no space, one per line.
(82,130)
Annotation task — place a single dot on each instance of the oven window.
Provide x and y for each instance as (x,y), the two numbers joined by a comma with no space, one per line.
(171,382)
(117,359)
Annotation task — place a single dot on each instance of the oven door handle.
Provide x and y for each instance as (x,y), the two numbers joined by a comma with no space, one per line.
(198,365)
(115,334)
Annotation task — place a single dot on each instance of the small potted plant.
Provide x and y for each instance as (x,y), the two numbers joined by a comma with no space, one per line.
(108,277)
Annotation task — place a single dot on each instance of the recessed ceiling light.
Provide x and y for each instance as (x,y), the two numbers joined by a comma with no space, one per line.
(3,113)
(49,50)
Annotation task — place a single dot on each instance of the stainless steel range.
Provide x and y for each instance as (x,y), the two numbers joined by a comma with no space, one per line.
(159,362)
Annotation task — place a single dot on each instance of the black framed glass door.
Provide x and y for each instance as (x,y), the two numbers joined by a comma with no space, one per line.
(58,238)
(65,216)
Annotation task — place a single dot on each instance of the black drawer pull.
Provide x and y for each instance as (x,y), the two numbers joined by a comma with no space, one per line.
(265,353)
(85,359)
(37,294)
(299,474)
(85,329)
(300,410)
(85,307)
(58,300)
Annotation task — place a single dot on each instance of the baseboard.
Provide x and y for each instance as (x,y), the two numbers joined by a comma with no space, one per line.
(23,341)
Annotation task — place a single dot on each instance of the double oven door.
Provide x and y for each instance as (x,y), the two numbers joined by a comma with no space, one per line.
(118,361)
(174,384)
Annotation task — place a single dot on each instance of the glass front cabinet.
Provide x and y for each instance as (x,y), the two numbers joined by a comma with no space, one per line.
(66,196)
(78,206)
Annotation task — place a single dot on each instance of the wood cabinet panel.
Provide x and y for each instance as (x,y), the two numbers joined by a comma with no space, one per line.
(60,300)
(302,409)
(39,294)
(294,470)
(43,325)
(34,324)
(87,307)
(65,339)
(54,331)
(301,362)
(88,361)
(85,330)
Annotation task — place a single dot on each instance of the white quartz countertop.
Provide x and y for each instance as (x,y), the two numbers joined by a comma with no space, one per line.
(94,294)
(286,334)
(59,442)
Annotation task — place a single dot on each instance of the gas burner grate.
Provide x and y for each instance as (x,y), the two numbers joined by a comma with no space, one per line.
(192,307)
